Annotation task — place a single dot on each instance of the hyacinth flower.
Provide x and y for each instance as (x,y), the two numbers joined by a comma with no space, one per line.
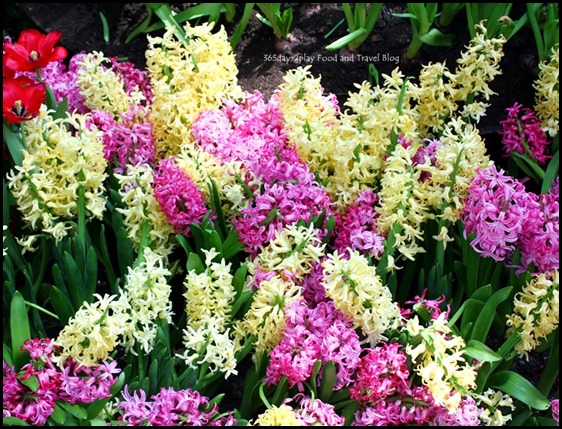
(535,312)
(555,410)
(58,183)
(505,218)
(522,133)
(209,296)
(71,384)
(436,354)
(300,410)
(291,254)
(170,407)
(186,79)
(356,228)
(314,334)
(143,217)
(547,93)
(181,201)
(127,140)
(284,190)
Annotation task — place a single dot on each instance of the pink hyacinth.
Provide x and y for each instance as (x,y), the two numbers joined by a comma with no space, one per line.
(314,412)
(495,212)
(554,408)
(127,140)
(169,407)
(521,132)
(73,384)
(356,228)
(313,291)
(133,79)
(417,409)
(251,132)
(280,204)
(382,372)
(178,196)
(62,81)
(311,334)
(466,415)
(540,240)
(505,218)
(432,306)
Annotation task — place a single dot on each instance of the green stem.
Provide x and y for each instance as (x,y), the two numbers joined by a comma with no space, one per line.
(81,231)
(263,398)
(42,268)
(144,242)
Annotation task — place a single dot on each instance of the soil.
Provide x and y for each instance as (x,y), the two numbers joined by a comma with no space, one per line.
(262,67)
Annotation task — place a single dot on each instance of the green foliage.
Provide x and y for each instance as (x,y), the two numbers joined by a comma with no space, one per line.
(545,23)
(422,19)
(279,21)
(495,17)
(361,21)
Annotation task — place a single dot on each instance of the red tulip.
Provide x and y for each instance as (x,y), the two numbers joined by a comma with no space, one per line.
(22,99)
(6,72)
(33,50)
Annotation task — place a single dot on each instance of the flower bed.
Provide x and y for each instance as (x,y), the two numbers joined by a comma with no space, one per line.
(180,251)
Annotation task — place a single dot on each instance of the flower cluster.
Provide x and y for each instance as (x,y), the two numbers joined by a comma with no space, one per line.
(311,334)
(535,312)
(522,133)
(169,408)
(504,217)
(33,393)
(547,100)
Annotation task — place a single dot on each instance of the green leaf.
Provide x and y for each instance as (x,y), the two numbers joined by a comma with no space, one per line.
(239,279)
(528,165)
(19,330)
(118,385)
(184,243)
(91,272)
(329,380)
(125,251)
(58,415)
(244,296)
(405,15)
(481,352)
(346,40)
(434,37)
(13,421)
(62,305)
(14,143)
(75,410)
(551,173)
(105,27)
(153,376)
(7,354)
(484,320)
(194,263)
(142,28)
(242,24)
(31,382)
(232,245)
(280,391)
(519,388)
